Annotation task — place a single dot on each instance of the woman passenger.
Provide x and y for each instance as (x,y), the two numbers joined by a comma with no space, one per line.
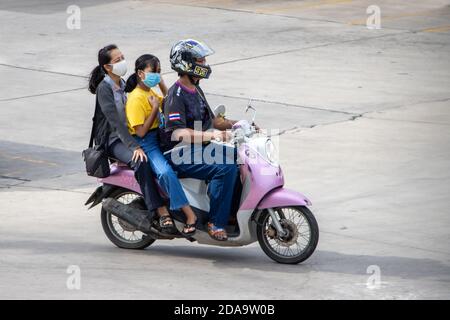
(111,127)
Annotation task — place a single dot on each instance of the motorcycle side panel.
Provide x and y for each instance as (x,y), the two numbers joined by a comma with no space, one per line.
(196,193)
(122,176)
(282,197)
(260,178)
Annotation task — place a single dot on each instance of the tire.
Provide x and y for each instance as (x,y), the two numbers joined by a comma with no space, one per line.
(113,234)
(264,232)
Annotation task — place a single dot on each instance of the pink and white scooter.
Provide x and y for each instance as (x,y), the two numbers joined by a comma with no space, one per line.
(276,217)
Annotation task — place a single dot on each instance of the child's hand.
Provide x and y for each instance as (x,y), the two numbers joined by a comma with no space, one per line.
(154,102)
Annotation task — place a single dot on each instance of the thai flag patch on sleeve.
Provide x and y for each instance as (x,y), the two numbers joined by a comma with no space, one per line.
(174,116)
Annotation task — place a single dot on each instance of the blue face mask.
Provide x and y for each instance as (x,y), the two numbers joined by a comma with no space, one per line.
(152,79)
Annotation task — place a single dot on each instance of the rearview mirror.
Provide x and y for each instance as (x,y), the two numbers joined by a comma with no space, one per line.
(249,107)
(219,110)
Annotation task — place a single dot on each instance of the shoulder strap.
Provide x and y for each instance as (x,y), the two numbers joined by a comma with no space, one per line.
(91,139)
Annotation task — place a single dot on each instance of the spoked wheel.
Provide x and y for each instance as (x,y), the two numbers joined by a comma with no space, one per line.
(121,233)
(299,240)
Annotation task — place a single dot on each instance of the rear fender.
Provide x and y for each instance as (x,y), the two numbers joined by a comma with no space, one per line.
(99,194)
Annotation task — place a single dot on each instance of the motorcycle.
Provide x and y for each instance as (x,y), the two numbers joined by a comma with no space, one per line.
(264,211)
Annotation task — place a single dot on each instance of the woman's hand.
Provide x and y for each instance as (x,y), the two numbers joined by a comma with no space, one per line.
(139,155)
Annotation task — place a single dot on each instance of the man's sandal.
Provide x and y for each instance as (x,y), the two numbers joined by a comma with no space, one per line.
(217,233)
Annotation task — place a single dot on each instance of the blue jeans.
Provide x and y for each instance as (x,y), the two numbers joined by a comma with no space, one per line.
(167,178)
(222,176)
(142,172)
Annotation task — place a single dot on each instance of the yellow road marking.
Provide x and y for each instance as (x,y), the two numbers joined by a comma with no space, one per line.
(307,5)
(437,29)
(29,160)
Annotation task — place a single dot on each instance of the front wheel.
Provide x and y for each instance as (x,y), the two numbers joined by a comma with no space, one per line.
(300,238)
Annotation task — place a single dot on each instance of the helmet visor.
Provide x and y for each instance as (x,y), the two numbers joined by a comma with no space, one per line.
(198,49)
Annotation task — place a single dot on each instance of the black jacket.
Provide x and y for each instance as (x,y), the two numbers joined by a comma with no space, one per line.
(108,126)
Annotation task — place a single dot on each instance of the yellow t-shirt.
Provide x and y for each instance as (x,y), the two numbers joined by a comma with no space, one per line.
(138,108)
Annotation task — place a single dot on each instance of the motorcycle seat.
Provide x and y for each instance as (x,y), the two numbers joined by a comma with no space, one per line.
(117,162)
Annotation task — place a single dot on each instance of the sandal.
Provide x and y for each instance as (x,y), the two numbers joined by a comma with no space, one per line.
(191,227)
(217,233)
(166,223)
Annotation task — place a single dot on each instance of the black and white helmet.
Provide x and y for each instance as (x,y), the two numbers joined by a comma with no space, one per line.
(183,57)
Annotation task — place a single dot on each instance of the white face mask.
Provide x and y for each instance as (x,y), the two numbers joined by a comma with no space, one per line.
(119,68)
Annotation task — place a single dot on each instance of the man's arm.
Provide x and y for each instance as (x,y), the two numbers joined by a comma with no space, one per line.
(193,136)
(220,123)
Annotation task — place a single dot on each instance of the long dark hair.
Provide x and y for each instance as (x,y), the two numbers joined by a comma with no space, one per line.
(141,63)
(98,73)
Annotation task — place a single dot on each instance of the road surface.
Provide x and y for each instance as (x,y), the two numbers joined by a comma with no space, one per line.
(364,121)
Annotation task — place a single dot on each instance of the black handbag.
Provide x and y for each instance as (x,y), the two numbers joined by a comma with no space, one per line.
(96,158)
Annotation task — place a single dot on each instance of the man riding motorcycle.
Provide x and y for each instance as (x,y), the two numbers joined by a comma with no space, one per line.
(189,119)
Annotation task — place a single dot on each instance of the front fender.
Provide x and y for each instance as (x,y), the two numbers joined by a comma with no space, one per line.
(282,197)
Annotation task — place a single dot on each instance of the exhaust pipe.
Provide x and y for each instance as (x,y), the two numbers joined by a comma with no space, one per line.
(136,217)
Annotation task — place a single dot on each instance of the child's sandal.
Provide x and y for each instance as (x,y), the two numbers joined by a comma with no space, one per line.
(191,227)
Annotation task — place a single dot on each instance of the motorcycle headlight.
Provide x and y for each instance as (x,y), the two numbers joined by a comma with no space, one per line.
(271,152)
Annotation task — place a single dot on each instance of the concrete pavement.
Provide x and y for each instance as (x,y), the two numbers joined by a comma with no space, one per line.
(364,116)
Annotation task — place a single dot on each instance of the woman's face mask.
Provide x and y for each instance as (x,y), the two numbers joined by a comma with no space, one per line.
(119,68)
(151,79)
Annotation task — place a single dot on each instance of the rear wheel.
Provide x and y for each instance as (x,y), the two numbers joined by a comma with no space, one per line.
(121,233)
(300,238)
